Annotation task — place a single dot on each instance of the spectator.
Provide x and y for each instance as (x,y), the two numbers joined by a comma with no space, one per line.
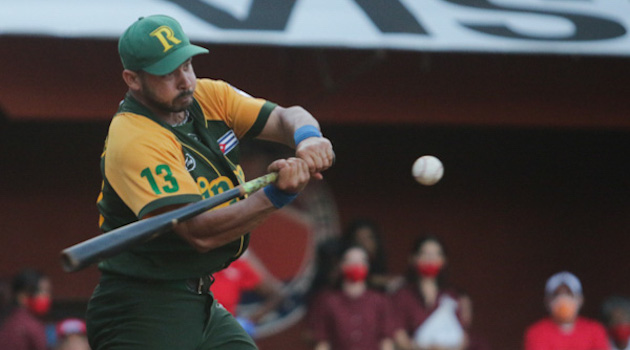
(21,329)
(327,259)
(565,329)
(71,335)
(241,276)
(366,234)
(352,317)
(616,312)
(429,312)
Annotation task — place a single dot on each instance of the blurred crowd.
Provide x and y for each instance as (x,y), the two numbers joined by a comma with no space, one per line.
(354,303)
(25,301)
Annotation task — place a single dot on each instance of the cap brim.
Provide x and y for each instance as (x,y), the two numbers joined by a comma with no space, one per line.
(174,60)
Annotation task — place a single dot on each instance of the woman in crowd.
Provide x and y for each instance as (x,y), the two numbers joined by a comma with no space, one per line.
(366,234)
(20,327)
(430,314)
(352,316)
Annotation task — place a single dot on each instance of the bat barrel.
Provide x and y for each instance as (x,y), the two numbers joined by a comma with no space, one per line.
(126,237)
(109,244)
(69,262)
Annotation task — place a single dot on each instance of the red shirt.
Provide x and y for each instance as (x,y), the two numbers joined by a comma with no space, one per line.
(585,335)
(351,324)
(22,331)
(230,282)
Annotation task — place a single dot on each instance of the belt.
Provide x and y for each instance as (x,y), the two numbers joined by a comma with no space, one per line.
(200,285)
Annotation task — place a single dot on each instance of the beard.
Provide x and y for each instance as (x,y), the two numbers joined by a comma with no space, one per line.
(178,104)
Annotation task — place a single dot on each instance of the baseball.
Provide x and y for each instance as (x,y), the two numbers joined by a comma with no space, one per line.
(427,170)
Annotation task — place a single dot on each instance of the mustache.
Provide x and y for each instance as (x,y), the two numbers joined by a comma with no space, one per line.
(185,93)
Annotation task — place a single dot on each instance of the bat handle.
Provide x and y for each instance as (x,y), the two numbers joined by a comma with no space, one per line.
(254,185)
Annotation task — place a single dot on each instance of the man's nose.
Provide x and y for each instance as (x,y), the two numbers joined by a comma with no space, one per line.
(185,81)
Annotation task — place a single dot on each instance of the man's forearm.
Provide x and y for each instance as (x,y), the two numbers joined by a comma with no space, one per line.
(218,227)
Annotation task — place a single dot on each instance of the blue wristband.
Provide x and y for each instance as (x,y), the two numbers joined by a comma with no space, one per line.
(305,132)
(278,198)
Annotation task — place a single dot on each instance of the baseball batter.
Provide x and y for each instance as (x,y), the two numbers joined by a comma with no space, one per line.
(175,140)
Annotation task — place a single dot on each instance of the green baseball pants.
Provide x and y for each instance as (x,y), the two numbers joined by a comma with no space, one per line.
(129,314)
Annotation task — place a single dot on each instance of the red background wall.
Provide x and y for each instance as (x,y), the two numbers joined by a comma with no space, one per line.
(535,150)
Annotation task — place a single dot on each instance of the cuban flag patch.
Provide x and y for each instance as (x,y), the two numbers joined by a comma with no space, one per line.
(227,142)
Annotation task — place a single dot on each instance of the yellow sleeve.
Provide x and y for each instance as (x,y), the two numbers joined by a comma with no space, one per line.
(241,112)
(145,165)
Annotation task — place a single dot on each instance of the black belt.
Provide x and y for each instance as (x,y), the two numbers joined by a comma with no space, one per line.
(200,285)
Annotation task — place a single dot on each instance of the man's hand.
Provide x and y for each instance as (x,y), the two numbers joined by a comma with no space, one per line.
(318,154)
(293,174)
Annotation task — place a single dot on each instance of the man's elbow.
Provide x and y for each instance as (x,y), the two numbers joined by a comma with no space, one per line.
(297,110)
(294,112)
(204,245)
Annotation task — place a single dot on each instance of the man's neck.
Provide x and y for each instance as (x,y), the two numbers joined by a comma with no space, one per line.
(566,327)
(181,121)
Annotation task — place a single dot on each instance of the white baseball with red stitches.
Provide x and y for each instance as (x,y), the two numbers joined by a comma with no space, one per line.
(427,170)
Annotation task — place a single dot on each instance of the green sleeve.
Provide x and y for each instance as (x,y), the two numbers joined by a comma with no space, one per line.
(261,120)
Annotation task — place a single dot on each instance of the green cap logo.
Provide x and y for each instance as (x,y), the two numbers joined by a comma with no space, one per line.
(166,34)
(156,44)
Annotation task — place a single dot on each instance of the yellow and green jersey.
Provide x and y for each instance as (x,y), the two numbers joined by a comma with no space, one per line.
(147,165)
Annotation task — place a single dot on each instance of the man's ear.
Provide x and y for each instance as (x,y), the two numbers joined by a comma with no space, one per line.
(132,79)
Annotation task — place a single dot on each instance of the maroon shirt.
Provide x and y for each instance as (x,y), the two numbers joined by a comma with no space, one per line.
(22,331)
(352,324)
(410,310)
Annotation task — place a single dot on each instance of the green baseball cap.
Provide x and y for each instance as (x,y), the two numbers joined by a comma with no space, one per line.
(156,44)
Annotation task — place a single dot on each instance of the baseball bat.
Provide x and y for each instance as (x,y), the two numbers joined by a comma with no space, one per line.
(125,237)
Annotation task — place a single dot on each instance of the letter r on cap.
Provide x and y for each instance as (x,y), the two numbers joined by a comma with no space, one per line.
(165,34)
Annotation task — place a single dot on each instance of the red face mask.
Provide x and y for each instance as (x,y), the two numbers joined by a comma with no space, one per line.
(39,304)
(355,273)
(621,334)
(429,269)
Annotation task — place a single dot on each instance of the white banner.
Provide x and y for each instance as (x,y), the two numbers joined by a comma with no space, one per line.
(591,27)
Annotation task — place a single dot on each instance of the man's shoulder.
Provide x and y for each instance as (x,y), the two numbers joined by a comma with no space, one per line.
(588,323)
(129,123)
(217,89)
(210,86)
(128,131)
(211,82)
